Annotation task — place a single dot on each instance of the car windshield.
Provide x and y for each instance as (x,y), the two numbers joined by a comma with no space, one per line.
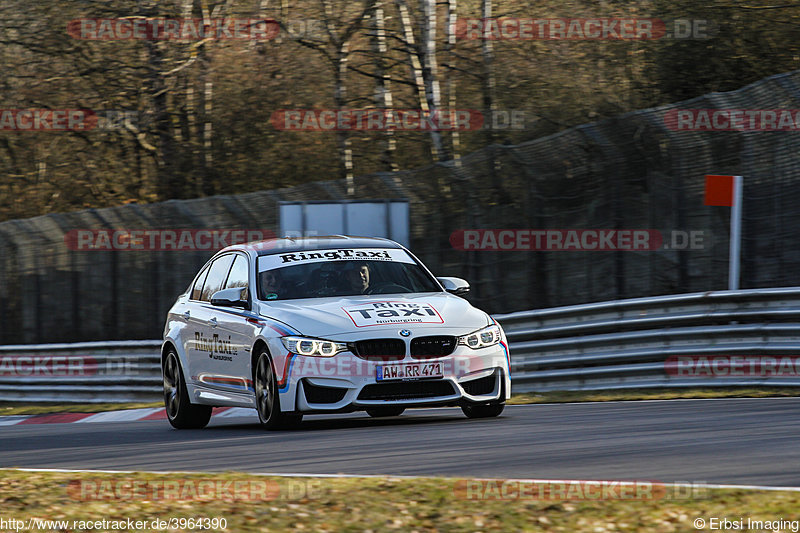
(325,273)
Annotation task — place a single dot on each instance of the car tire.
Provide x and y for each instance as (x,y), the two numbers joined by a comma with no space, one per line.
(487,410)
(484,410)
(266,396)
(382,412)
(181,412)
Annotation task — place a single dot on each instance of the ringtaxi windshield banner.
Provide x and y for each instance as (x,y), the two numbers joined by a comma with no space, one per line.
(269,262)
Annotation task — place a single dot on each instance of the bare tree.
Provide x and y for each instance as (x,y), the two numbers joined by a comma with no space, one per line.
(383,82)
(335,49)
(430,70)
(487,78)
(451,56)
(422,62)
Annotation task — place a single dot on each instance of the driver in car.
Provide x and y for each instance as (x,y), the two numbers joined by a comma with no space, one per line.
(271,284)
(358,278)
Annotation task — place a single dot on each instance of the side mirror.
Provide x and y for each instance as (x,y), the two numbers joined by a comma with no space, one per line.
(455,286)
(236,297)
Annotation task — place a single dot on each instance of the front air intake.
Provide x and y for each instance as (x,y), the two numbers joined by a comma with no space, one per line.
(406,390)
(432,347)
(379,349)
(480,386)
(318,394)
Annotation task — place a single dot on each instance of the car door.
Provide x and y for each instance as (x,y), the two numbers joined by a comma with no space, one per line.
(232,336)
(190,312)
(203,330)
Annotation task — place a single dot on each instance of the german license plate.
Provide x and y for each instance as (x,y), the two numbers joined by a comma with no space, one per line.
(408,371)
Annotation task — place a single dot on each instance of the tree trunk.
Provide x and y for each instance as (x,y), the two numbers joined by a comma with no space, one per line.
(208,107)
(417,77)
(455,136)
(430,71)
(488,82)
(340,99)
(383,87)
(489,108)
(170,184)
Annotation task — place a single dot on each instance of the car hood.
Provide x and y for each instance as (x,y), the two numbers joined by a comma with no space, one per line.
(439,312)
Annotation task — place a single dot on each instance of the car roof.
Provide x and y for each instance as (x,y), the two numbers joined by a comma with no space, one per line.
(325,242)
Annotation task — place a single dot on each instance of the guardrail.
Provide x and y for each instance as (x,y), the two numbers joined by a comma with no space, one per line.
(606,345)
(83,372)
(630,343)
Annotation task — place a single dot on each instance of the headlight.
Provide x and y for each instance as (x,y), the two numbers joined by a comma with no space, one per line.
(482,338)
(313,347)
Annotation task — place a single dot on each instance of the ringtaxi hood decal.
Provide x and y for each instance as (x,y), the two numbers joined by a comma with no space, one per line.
(392,312)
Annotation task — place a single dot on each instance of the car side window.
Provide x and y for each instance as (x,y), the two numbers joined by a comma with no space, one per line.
(239,273)
(197,289)
(216,276)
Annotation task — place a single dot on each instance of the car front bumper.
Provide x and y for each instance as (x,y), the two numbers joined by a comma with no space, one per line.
(346,382)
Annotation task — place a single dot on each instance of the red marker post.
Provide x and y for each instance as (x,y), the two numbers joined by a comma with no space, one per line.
(727,191)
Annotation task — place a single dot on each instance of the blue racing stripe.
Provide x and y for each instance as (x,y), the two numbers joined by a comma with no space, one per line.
(287,374)
(279,327)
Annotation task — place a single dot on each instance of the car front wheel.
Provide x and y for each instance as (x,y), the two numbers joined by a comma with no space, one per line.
(181,413)
(267,401)
(486,410)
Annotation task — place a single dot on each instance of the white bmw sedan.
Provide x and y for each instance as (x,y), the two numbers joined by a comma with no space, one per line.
(328,325)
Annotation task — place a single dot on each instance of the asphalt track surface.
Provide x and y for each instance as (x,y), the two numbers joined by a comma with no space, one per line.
(731,441)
